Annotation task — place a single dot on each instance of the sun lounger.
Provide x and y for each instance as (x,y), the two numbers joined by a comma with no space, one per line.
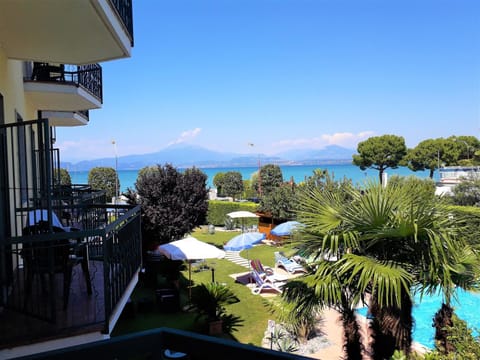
(289,265)
(263,285)
(262,270)
(266,272)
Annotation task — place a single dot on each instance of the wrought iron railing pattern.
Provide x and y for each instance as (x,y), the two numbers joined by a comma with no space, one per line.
(113,242)
(125,12)
(31,193)
(88,76)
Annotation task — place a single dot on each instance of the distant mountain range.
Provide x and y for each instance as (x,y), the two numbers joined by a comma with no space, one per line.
(185,156)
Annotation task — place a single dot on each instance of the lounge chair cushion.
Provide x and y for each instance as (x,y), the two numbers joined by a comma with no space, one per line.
(289,265)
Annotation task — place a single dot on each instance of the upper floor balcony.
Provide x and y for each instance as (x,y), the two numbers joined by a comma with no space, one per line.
(67,118)
(60,87)
(69,32)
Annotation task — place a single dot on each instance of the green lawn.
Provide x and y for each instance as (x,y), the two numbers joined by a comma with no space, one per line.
(253,309)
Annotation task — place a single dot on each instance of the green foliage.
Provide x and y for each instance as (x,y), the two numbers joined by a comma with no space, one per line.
(173,203)
(63,176)
(104,178)
(232,184)
(230,322)
(323,181)
(397,237)
(299,309)
(465,147)
(380,153)
(282,341)
(426,187)
(280,202)
(466,345)
(218,182)
(218,210)
(467,193)
(470,222)
(248,189)
(399,355)
(210,299)
(427,155)
(271,177)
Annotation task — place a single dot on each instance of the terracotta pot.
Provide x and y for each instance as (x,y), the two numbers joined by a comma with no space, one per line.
(215,327)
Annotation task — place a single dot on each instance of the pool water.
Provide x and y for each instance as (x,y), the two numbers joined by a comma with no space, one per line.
(466,305)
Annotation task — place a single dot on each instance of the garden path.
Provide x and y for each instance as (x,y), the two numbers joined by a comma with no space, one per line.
(234,256)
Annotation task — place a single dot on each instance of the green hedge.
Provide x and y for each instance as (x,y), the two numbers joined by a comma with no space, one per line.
(218,210)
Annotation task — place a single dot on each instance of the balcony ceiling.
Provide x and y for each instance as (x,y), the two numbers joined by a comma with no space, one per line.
(70,32)
(65,118)
(59,96)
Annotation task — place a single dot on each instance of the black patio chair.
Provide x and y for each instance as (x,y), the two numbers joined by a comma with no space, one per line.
(50,257)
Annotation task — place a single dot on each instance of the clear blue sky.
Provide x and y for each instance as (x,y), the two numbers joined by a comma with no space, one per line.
(285,74)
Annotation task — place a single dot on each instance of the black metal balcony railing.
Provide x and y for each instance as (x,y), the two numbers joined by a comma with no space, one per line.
(125,12)
(35,246)
(88,77)
(153,343)
(38,301)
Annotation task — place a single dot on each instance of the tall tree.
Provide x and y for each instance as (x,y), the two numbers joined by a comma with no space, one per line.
(466,146)
(104,178)
(63,176)
(328,288)
(387,239)
(270,177)
(232,184)
(218,182)
(426,156)
(380,153)
(280,202)
(173,203)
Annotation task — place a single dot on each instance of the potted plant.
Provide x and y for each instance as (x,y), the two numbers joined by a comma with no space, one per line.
(210,300)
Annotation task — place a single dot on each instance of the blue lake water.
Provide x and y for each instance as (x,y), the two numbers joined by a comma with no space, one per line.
(298,173)
(466,308)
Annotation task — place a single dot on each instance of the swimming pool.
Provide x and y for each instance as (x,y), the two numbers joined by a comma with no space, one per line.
(467,307)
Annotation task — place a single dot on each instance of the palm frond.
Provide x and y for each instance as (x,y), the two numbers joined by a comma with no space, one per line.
(385,278)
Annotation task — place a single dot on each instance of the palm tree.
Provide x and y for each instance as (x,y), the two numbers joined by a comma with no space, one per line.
(324,289)
(462,274)
(387,239)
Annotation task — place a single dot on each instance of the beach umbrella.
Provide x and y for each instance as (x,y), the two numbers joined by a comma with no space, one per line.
(286,228)
(242,215)
(244,241)
(189,249)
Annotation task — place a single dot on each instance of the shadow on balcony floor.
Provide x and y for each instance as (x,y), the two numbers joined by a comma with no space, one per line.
(29,321)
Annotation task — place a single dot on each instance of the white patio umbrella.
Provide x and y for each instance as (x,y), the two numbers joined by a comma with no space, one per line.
(189,249)
(242,215)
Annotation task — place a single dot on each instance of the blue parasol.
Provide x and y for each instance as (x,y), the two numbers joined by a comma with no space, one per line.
(244,241)
(286,228)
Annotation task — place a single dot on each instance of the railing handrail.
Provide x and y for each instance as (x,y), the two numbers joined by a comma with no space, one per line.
(88,76)
(154,342)
(107,238)
(125,13)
